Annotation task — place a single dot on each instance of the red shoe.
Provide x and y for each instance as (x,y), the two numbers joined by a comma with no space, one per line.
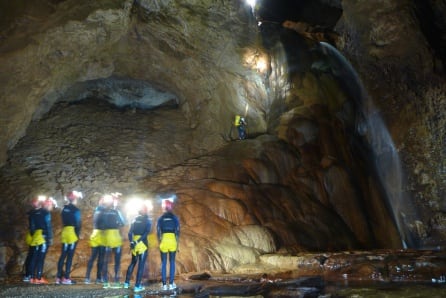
(41,281)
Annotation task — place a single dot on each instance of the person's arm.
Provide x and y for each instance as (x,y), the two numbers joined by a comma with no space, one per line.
(78,222)
(130,234)
(158,229)
(147,230)
(121,220)
(49,229)
(177,231)
(32,225)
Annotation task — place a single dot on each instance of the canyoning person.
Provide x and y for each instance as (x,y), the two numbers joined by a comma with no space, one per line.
(71,221)
(138,233)
(111,220)
(168,232)
(35,205)
(97,246)
(41,237)
(241,124)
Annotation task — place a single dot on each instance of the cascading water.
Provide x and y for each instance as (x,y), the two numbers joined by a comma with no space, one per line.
(370,125)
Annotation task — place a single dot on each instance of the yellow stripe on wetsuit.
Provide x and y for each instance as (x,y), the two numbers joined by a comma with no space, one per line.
(168,242)
(97,238)
(68,235)
(112,238)
(37,238)
(140,247)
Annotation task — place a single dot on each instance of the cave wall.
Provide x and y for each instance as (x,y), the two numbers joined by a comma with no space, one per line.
(391,44)
(196,56)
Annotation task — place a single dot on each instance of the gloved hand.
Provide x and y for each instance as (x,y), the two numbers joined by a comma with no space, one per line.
(132,244)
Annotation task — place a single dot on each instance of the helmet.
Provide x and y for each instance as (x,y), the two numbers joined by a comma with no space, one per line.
(116,196)
(107,200)
(73,195)
(36,202)
(50,203)
(167,205)
(145,207)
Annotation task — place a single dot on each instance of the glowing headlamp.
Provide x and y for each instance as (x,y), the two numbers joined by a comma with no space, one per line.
(251,3)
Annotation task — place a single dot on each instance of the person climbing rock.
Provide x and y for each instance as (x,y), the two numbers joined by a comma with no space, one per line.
(71,221)
(241,124)
(168,232)
(138,232)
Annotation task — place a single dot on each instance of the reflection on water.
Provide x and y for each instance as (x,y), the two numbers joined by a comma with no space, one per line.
(344,289)
(389,290)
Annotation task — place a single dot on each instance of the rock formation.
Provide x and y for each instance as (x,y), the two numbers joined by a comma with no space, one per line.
(139,97)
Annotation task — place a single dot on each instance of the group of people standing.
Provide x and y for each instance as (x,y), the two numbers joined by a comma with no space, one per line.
(105,241)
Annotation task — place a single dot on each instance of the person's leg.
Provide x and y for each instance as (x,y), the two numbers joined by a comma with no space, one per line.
(33,262)
(70,253)
(61,261)
(107,252)
(128,275)
(41,253)
(101,252)
(172,266)
(117,263)
(93,256)
(28,261)
(141,265)
(163,267)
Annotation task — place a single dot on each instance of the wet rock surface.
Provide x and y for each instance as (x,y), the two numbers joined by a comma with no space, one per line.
(342,274)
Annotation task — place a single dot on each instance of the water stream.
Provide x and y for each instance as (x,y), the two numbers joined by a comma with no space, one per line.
(372,127)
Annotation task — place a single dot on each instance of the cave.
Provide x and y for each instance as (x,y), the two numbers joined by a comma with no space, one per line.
(345,130)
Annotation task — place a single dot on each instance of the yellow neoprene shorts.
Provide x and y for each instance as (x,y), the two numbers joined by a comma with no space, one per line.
(68,235)
(168,242)
(97,238)
(152,240)
(140,247)
(112,238)
(37,238)
(28,238)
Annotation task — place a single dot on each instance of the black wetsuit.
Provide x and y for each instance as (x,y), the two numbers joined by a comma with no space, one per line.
(71,217)
(140,227)
(40,219)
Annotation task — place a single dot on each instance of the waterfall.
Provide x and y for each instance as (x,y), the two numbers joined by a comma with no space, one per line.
(370,125)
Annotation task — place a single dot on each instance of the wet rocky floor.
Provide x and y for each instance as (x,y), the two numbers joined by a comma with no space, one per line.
(355,274)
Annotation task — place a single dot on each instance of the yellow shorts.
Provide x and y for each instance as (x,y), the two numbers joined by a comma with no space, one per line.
(96,238)
(112,238)
(168,242)
(37,238)
(140,247)
(152,240)
(68,235)
(28,239)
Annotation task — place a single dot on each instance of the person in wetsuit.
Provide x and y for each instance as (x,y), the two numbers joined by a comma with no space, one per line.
(36,204)
(138,233)
(41,232)
(168,232)
(111,220)
(97,246)
(71,220)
